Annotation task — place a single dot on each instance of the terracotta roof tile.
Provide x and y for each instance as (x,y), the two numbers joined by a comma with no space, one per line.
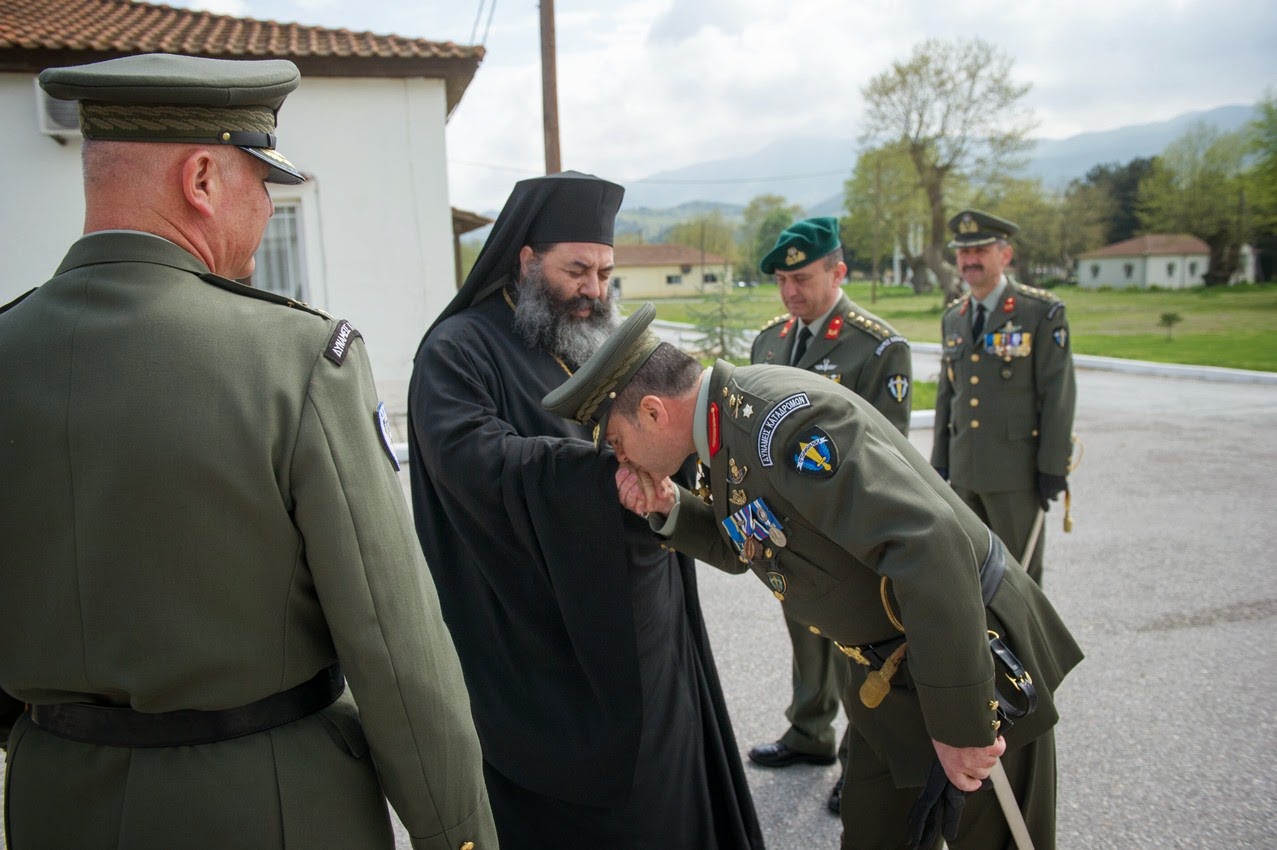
(122,26)
(1154,244)
(663,255)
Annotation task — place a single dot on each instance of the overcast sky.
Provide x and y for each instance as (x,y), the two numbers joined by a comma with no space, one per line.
(649,85)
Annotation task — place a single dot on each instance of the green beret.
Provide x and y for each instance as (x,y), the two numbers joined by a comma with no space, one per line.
(801,244)
(159,97)
(973,227)
(587,396)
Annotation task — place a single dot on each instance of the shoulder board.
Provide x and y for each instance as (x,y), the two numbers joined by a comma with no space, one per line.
(1039,294)
(870,326)
(15,302)
(954,303)
(771,323)
(260,294)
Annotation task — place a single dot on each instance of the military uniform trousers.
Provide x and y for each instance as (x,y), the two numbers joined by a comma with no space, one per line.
(819,678)
(873,808)
(1011,515)
(306,784)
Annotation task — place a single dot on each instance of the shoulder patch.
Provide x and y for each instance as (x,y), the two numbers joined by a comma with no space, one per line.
(1055,308)
(767,430)
(339,342)
(15,302)
(888,342)
(383,430)
(815,454)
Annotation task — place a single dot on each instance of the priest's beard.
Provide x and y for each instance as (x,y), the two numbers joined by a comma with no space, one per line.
(543,321)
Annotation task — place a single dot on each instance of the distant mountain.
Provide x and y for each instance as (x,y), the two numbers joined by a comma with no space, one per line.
(811,172)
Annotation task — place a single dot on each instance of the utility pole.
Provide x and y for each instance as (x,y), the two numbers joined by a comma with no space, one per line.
(549,90)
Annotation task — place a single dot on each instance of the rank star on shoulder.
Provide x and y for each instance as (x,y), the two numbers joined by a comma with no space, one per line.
(747,411)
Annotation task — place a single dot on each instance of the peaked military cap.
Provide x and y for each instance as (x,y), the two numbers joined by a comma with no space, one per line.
(588,395)
(973,227)
(160,97)
(802,243)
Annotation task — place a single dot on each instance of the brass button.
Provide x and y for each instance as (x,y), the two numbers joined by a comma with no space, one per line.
(975,379)
(975,423)
(469,845)
(975,402)
(813,629)
(1035,432)
(779,596)
(975,358)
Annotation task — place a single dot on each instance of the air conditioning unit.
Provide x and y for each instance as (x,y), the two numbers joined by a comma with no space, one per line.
(57,118)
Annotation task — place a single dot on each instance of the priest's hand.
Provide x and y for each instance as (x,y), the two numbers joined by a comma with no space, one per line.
(641,493)
(968,767)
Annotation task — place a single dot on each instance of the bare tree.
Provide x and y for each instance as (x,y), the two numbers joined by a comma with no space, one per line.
(956,111)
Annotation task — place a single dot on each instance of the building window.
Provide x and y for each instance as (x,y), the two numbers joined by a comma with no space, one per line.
(1129,269)
(1095,270)
(616,285)
(279,257)
(709,278)
(1170,270)
(1192,269)
(673,279)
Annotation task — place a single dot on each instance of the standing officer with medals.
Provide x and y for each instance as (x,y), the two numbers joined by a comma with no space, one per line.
(1006,396)
(824,332)
(204,533)
(957,651)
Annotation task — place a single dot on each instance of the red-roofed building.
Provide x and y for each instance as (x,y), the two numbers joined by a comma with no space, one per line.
(1165,260)
(369,237)
(668,271)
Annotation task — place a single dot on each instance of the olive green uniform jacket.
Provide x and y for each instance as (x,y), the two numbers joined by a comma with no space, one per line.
(879,511)
(198,511)
(1004,405)
(853,348)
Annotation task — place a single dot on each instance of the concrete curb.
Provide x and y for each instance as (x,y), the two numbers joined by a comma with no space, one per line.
(1145,367)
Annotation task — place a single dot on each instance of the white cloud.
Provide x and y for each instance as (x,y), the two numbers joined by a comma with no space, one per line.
(646,86)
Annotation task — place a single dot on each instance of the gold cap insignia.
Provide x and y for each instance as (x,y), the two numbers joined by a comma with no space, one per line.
(793,256)
(968,225)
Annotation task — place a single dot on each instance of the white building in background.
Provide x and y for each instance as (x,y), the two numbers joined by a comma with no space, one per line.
(1167,261)
(369,237)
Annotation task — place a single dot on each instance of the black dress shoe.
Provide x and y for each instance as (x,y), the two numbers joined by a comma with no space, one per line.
(835,797)
(777,754)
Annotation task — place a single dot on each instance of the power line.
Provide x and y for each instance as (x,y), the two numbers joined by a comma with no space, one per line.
(474,30)
(738,180)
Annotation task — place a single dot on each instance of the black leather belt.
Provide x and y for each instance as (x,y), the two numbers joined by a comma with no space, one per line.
(117,726)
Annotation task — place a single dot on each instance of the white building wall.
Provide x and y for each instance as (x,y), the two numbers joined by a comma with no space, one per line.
(376,220)
(43,208)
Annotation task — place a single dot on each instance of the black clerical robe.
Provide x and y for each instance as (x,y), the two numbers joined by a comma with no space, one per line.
(590,674)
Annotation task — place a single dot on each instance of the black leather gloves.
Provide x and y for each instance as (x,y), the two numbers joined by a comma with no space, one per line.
(1050,487)
(936,812)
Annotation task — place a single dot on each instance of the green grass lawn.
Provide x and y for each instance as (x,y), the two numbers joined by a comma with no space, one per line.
(1232,326)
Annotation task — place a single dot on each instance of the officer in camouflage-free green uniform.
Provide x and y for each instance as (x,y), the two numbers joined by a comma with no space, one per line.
(852,347)
(855,535)
(203,526)
(1006,395)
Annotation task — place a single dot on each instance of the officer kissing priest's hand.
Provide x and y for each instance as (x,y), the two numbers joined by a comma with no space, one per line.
(819,496)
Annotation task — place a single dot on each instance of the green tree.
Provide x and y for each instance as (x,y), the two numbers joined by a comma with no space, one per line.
(883,200)
(720,320)
(1261,183)
(1117,187)
(762,221)
(1197,186)
(955,109)
(1054,226)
